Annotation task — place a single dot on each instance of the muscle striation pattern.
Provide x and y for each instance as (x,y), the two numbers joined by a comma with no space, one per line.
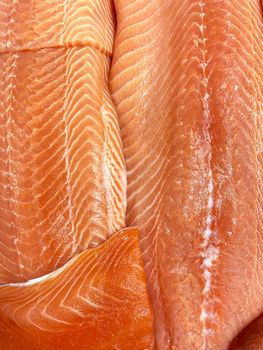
(185,101)
(96,301)
(63,179)
(187,83)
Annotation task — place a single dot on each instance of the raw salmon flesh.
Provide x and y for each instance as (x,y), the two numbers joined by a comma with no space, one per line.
(131,174)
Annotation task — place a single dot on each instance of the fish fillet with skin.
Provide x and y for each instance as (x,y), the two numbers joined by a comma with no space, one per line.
(97,301)
(62,174)
(187,81)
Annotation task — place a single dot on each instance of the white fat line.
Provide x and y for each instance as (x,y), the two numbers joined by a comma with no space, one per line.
(35,280)
(209,252)
(67,159)
(107,168)
(12,175)
(48,276)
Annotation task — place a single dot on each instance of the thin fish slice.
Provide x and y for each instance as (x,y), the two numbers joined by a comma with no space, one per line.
(97,301)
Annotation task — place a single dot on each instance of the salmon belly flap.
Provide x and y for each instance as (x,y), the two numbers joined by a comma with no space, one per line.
(96,301)
(187,82)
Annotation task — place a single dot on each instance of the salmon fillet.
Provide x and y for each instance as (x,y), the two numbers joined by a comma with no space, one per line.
(187,81)
(96,301)
(62,179)
(31,25)
(187,86)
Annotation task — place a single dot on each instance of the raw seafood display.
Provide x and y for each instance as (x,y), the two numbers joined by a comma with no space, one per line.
(131,174)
